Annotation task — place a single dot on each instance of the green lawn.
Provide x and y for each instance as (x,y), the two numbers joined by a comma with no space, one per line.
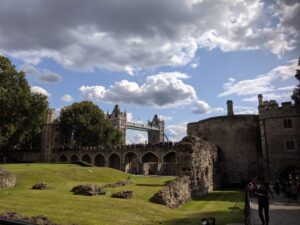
(61,206)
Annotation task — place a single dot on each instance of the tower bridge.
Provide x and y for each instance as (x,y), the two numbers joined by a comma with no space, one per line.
(155,128)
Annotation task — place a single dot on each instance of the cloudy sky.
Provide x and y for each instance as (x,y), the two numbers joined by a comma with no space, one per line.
(180,59)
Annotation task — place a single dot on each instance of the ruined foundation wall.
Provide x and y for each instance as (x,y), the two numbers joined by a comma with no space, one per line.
(197,165)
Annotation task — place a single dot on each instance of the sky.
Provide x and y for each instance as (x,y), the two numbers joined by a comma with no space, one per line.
(179,59)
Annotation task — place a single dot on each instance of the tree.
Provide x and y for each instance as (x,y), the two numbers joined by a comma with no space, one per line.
(296,92)
(86,124)
(22,112)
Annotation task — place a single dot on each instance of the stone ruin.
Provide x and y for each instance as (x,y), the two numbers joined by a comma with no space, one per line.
(197,168)
(88,190)
(40,186)
(118,184)
(7,180)
(123,194)
(19,219)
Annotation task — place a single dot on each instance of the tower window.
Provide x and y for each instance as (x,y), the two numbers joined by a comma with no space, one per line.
(290,145)
(287,123)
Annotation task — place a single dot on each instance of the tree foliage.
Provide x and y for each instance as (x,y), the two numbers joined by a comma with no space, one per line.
(22,112)
(296,92)
(86,124)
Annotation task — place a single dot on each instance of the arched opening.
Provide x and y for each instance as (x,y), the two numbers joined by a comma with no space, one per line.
(74,158)
(131,163)
(169,164)
(63,158)
(86,158)
(150,164)
(100,160)
(289,173)
(114,161)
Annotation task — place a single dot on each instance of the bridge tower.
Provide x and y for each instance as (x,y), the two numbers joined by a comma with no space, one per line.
(119,120)
(156,136)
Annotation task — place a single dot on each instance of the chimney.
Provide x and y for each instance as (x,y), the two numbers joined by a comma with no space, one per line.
(260,100)
(230,108)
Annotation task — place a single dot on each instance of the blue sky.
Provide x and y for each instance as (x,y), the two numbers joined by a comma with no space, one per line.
(180,59)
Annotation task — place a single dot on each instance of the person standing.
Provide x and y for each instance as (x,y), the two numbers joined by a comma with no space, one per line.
(263,192)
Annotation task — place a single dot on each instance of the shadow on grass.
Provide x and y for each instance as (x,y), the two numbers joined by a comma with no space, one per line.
(224,195)
(222,218)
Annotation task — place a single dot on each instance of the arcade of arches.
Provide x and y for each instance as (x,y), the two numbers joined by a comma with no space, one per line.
(147,163)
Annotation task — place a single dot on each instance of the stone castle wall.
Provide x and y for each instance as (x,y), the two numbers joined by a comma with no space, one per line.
(279,125)
(238,138)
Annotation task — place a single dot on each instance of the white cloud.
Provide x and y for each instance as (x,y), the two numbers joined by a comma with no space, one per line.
(201,107)
(194,65)
(137,139)
(175,132)
(245,110)
(41,74)
(67,98)
(165,118)
(260,84)
(162,90)
(40,90)
(146,34)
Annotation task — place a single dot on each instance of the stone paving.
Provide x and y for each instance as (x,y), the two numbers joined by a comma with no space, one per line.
(282,211)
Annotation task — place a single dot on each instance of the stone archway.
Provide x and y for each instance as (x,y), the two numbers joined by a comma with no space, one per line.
(87,158)
(150,164)
(169,164)
(288,172)
(100,160)
(63,158)
(114,161)
(74,158)
(131,163)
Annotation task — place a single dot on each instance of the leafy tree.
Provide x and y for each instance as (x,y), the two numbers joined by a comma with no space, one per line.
(296,93)
(22,112)
(86,124)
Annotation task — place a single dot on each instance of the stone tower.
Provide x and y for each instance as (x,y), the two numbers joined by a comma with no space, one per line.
(119,120)
(48,136)
(155,137)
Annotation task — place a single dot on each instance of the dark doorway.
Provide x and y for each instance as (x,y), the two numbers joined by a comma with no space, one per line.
(100,160)
(114,161)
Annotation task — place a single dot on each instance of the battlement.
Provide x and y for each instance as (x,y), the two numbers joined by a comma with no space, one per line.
(131,147)
(272,109)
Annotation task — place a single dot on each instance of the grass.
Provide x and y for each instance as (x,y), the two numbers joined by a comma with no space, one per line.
(61,206)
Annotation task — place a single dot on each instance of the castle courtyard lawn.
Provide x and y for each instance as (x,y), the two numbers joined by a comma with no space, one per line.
(61,206)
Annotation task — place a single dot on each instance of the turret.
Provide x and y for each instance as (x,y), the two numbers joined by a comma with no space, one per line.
(260,100)
(230,108)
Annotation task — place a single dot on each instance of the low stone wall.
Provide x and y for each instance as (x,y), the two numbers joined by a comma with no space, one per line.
(197,168)
(6,179)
